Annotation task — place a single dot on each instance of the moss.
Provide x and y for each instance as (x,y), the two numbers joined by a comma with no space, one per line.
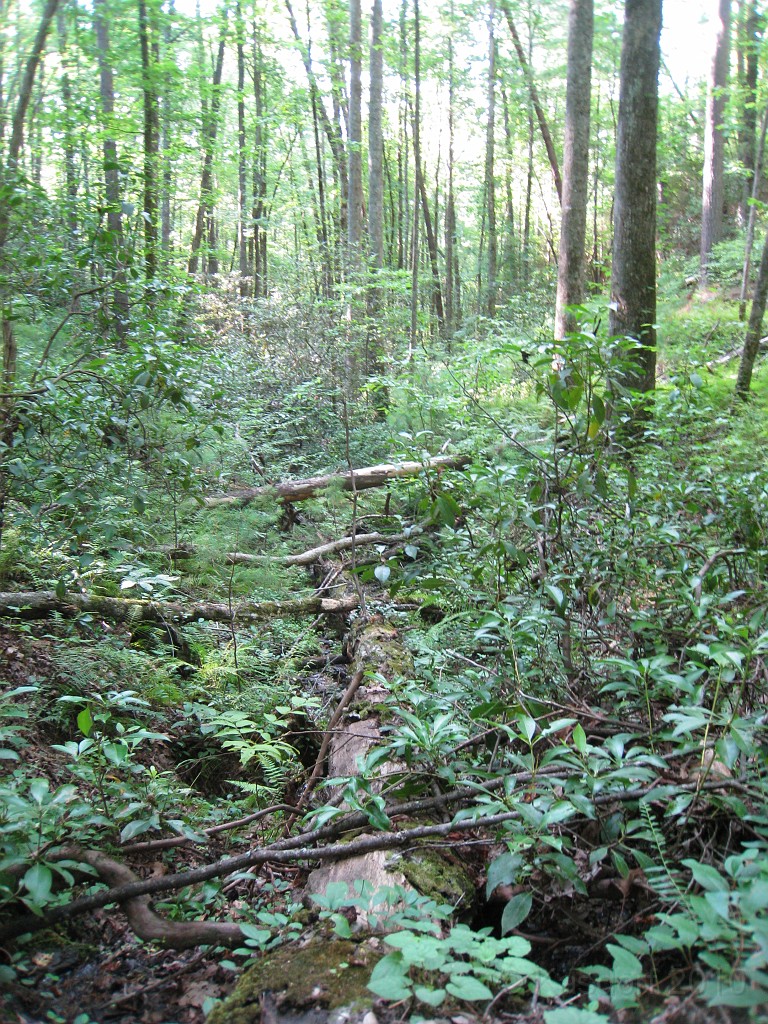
(433,875)
(325,973)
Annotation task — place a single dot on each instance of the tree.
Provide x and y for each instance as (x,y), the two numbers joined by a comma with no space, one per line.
(541,117)
(714,143)
(752,339)
(375,157)
(355,141)
(111,165)
(210,126)
(489,204)
(633,272)
(8,175)
(570,265)
(148,32)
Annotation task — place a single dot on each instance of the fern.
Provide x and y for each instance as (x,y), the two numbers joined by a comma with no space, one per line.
(665,881)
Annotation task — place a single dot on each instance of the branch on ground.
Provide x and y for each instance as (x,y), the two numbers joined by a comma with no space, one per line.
(357,480)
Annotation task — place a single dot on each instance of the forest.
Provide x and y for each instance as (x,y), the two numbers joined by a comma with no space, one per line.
(383,512)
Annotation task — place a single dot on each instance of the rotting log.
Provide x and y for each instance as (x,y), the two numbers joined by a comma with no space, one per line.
(358,480)
(39,604)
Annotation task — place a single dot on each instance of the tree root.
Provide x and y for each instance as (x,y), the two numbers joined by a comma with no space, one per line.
(144,921)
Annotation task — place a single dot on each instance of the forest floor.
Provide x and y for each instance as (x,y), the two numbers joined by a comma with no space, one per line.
(573,700)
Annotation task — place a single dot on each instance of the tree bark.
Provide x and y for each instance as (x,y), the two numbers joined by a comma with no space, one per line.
(714,145)
(376,144)
(210,127)
(150,58)
(573,230)
(242,199)
(358,480)
(490,180)
(633,275)
(535,101)
(749,241)
(750,30)
(752,340)
(355,140)
(39,604)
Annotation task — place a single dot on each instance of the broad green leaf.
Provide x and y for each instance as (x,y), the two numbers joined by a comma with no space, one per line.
(389,978)
(574,1015)
(516,911)
(464,987)
(85,721)
(708,878)
(38,880)
(579,738)
(626,966)
(382,573)
(430,996)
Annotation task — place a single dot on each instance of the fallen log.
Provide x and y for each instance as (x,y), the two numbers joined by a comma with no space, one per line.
(39,604)
(358,480)
(332,547)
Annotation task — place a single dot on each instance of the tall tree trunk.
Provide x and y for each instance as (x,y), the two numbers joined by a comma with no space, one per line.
(355,139)
(375,159)
(451,249)
(7,173)
(633,275)
(752,216)
(166,225)
(752,340)
(204,223)
(419,184)
(332,134)
(573,230)
(259,176)
(748,50)
(535,101)
(714,144)
(120,304)
(150,58)
(70,141)
(242,198)
(490,179)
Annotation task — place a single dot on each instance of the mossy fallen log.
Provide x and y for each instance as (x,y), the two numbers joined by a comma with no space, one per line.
(39,604)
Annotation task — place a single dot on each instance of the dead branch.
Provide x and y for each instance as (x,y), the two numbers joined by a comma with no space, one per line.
(358,479)
(304,847)
(38,604)
(145,922)
(724,553)
(323,550)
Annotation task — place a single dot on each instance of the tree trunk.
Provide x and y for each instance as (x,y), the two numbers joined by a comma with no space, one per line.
(332,134)
(633,276)
(490,180)
(376,145)
(150,58)
(573,231)
(120,303)
(714,145)
(748,50)
(165,146)
(535,101)
(204,226)
(752,217)
(355,139)
(69,140)
(242,197)
(259,262)
(357,480)
(752,340)
(7,173)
